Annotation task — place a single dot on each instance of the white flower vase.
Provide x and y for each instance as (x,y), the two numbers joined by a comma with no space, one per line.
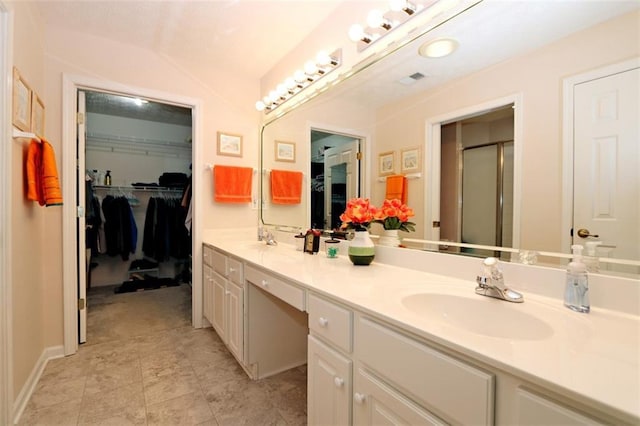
(361,248)
(389,238)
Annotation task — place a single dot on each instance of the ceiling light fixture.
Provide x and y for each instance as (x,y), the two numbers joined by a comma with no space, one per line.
(438,48)
(312,71)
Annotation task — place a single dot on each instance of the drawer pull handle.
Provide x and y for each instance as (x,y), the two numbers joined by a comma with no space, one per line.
(227,292)
(359,397)
(265,283)
(339,382)
(232,270)
(323,322)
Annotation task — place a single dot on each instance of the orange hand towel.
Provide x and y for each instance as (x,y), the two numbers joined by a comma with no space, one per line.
(286,187)
(397,188)
(43,184)
(232,184)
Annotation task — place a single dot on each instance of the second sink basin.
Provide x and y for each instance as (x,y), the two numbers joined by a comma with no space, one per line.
(479,315)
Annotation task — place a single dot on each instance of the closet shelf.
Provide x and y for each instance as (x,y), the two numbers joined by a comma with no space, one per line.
(138,188)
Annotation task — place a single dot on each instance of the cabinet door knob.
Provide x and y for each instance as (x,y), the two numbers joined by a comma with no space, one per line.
(323,322)
(231,270)
(359,397)
(338,382)
(265,283)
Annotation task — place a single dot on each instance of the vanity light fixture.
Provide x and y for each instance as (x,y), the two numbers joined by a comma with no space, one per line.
(312,71)
(402,5)
(438,48)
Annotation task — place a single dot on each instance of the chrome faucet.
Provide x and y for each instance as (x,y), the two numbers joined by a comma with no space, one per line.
(491,283)
(267,236)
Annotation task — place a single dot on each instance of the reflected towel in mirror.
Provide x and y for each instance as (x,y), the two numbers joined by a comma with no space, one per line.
(397,188)
(286,187)
(232,184)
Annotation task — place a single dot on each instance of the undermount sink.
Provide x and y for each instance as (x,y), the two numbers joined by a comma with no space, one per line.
(479,315)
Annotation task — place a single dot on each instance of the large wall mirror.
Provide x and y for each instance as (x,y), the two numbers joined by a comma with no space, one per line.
(526,80)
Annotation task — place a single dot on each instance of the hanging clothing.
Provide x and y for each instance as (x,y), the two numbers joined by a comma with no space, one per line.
(164,234)
(120,227)
(43,184)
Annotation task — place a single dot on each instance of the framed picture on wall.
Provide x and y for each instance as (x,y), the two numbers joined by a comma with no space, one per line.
(229,144)
(21,117)
(285,151)
(386,164)
(37,115)
(410,160)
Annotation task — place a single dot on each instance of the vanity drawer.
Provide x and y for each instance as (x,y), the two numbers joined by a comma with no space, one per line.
(330,321)
(440,382)
(234,268)
(207,253)
(219,262)
(284,291)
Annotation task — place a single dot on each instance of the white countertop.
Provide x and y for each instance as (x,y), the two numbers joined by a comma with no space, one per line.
(594,358)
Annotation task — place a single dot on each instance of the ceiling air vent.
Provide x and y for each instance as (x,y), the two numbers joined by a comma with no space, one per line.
(412,78)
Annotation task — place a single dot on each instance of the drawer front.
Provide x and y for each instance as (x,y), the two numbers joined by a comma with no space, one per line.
(334,323)
(284,291)
(234,269)
(207,253)
(442,383)
(219,262)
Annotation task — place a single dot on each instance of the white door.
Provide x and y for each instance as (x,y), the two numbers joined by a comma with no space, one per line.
(606,163)
(340,167)
(83,259)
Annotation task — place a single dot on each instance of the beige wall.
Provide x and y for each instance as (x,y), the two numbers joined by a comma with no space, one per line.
(29,220)
(538,76)
(43,55)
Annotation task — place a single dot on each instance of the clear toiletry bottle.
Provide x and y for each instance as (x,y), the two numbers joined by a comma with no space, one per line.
(576,293)
(591,256)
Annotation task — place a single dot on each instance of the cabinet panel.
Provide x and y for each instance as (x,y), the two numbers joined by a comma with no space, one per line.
(331,321)
(449,386)
(329,384)
(219,305)
(219,262)
(207,253)
(235,322)
(207,292)
(234,271)
(375,403)
(537,410)
(290,294)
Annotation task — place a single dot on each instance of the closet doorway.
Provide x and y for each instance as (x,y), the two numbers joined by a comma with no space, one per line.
(137,199)
(73,184)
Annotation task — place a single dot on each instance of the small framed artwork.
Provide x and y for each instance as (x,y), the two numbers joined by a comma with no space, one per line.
(229,144)
(285,151)
(386,164)
(410,160)
(21,102)
(37,115)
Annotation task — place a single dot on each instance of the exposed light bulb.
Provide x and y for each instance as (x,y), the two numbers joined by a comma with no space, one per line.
(260,106)
(323,59)
(356,32)
(299,76)
(376,19)
(291,85)
(273,96)
(402,5)
(282,90)
(310,68)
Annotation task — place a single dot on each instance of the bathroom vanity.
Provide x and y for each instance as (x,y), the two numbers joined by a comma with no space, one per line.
(392,344)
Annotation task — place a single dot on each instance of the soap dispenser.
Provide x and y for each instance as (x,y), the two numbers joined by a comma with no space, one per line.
(576,293)
(591,256)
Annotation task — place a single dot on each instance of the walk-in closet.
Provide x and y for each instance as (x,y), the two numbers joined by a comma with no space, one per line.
(137,210)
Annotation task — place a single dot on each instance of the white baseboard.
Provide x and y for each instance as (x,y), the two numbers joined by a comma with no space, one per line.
(21,401)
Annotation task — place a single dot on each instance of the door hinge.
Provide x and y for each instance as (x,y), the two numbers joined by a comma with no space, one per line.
(81,304)
(80,118)
(80,211)
(359,156)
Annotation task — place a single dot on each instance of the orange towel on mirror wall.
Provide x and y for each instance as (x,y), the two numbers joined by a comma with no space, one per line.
(286,187)
(397,188)
(232,184)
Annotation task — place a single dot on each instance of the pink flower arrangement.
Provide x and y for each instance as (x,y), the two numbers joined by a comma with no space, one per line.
(358,214)
(395,215)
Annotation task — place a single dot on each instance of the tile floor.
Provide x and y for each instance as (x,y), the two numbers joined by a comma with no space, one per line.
(145,364)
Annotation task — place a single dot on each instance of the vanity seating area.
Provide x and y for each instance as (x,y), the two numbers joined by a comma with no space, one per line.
(391,343)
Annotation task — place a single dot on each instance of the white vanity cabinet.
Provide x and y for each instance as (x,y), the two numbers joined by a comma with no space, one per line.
(329,364)
(224,298)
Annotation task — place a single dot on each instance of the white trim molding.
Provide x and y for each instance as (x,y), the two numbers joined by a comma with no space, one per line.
(568,87)
(71,84)
(6,294)
(29,387)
